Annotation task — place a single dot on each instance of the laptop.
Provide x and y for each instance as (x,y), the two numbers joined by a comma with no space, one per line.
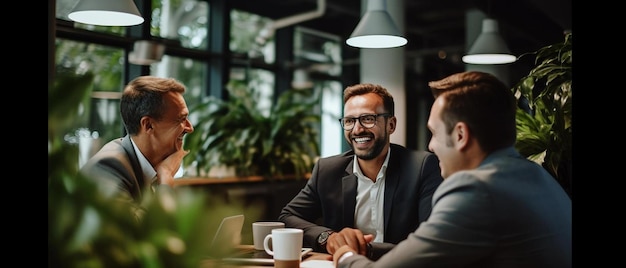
(227,237)
(226,245)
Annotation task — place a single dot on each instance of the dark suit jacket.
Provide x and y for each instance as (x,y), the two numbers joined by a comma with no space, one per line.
(116,169)
(329,196)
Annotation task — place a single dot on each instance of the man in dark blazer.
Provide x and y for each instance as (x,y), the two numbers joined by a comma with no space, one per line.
(155,116)
(377,189)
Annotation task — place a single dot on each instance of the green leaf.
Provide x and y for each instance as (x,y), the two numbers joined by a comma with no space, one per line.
(251,142)
(544,131)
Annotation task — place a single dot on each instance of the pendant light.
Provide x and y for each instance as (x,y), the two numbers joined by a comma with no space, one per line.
(146,52)
(489,47)
(106,13)
(376,29)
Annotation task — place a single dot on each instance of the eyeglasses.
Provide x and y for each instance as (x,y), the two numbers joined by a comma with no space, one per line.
(366,120)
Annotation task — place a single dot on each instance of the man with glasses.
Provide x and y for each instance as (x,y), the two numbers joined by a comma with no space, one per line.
(376,189)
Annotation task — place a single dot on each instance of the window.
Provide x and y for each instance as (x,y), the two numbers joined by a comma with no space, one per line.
(246,36)
(100,112)
(319,56)
(190,72)
(184,21)
(183,28)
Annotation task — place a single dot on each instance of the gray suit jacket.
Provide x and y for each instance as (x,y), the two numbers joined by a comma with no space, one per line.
(329,197)
(116,169)
(508,212)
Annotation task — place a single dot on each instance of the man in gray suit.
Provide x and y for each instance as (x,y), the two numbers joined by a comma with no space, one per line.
(494,208)
(380,189)
(156,119)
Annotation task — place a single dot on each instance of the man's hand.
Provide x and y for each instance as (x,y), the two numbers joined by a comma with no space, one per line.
(169,166)
(339,252)
(346,248)
(353,238)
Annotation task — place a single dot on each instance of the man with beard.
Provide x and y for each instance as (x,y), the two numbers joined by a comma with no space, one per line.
(376,189)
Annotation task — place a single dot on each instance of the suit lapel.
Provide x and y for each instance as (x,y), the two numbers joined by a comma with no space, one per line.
(134,161)
(348,184)
(392,180)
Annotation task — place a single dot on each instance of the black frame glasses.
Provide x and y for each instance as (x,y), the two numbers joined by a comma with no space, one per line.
(366,120)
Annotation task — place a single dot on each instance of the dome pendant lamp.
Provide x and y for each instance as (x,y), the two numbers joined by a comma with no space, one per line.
(376,29)
(489,47)
(106,13)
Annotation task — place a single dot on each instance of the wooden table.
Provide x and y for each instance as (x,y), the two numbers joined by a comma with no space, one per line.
(214,263)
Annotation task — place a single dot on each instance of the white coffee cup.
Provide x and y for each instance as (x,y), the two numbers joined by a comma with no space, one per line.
(261,229)
(286,247)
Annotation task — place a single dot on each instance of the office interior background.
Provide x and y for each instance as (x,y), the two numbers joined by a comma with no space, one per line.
(211,44)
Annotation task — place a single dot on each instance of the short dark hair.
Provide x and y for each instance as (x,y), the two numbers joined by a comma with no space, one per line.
(143,96)
(361,89)
(483,102)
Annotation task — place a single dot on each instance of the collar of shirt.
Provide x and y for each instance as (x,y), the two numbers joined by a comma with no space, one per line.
(147,169)
(356,169)
(368,211)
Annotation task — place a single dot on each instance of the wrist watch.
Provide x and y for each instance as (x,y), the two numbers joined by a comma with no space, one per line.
(323,238)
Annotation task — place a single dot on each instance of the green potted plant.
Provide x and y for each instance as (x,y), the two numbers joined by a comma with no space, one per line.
(544,118)
(235,133)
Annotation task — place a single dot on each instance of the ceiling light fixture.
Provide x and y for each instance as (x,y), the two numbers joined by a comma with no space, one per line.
(489,47)
(376,29)
(106,13)
(146,52)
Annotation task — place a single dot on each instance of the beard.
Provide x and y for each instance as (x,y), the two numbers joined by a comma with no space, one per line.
(379,145)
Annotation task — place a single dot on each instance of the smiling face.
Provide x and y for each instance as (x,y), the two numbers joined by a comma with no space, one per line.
(368,143)
(170,130)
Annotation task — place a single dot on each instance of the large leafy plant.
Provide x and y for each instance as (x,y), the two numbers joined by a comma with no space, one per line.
(235,133)
(544,118)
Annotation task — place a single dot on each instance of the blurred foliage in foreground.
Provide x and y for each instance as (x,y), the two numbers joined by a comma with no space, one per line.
(87,229)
